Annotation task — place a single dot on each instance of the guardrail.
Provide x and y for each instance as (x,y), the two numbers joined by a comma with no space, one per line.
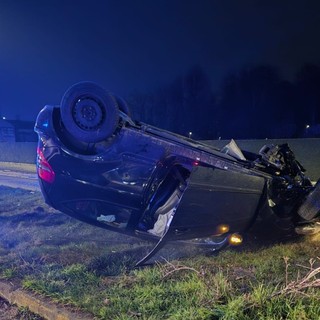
(20,152)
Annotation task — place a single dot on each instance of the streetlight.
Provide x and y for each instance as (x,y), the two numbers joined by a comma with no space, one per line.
(190,134)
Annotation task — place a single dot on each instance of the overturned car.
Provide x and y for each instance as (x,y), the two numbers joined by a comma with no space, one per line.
(98,165)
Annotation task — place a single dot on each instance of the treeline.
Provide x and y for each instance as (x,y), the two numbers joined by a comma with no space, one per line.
(254,103)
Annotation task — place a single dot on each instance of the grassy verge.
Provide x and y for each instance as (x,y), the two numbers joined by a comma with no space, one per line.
(90,269)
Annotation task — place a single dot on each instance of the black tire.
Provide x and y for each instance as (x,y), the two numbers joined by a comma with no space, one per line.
(89,113)
(311,206)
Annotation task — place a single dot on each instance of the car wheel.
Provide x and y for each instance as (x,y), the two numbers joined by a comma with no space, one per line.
(89,113)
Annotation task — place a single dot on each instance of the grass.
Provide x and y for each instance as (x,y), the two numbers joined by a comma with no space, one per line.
(91,270)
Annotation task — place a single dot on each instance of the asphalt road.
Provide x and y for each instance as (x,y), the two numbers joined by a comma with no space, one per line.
(18,179)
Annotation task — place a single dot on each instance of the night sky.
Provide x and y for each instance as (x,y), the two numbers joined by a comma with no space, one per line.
(135,45)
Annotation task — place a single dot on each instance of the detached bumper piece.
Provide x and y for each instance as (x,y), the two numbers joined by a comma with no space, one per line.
(311,207)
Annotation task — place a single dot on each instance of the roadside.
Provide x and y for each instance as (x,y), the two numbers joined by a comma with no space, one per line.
(12,312)
(22,305)
(19,175)
(18,167)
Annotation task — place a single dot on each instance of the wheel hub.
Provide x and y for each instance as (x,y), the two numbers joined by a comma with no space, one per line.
(88,114)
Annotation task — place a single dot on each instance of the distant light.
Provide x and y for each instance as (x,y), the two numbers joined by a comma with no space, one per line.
(190,134)
(3,118)
(307,126)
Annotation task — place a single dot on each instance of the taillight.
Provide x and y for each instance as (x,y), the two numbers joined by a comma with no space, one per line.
(44,169)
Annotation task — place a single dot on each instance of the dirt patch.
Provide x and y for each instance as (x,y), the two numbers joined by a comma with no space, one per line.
(12,312)
(8,312)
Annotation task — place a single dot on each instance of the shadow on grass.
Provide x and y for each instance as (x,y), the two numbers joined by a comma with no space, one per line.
(116,263)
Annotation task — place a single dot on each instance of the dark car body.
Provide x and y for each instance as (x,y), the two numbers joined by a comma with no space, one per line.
(143,181)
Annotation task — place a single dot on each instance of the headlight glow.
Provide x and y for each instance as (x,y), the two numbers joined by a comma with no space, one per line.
(235,239)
